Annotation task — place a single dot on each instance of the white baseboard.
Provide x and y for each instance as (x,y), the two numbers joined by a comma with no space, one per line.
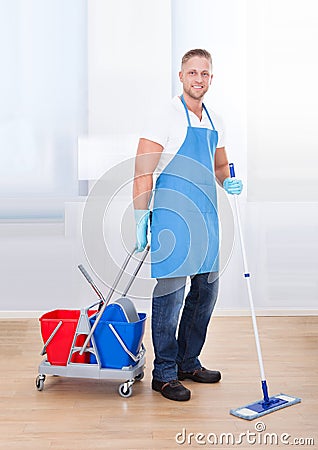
(266,312)
(217,313)
(21,314)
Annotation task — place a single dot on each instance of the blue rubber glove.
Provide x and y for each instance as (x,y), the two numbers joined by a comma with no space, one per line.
(233,185)
(141,217)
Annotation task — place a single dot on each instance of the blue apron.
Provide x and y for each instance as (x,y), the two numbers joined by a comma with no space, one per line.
(184,227)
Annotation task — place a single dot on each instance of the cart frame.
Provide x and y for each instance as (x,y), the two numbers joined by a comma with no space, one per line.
(127,374)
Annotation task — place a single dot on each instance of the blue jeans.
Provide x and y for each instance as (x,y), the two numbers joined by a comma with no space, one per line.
(179,347)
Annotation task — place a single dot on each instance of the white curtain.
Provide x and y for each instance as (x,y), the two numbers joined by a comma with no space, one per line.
(43,108)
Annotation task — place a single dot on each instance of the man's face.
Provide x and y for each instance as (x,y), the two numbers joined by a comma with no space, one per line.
(196,76)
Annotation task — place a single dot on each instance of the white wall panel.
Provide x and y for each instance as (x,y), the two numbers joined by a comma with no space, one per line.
(43,108)
(282,102)
(129,62)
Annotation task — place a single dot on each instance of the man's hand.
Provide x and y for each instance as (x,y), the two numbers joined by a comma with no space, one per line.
(141,217)
(233,186)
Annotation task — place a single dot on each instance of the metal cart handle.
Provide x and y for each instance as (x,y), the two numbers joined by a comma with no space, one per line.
(112,290)
(132,279)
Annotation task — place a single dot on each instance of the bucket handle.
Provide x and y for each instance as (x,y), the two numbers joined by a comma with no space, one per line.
(135,358)
(58,326)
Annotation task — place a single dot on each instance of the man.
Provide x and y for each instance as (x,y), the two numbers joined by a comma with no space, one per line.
(183,147)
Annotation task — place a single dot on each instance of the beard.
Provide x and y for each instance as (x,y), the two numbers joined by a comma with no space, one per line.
(194,93)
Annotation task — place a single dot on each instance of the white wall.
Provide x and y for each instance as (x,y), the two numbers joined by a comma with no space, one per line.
(39,267)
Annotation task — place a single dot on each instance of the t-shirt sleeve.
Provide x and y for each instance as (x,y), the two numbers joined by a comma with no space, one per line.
(156,127)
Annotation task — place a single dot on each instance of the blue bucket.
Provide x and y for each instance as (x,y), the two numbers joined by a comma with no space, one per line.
(110,351)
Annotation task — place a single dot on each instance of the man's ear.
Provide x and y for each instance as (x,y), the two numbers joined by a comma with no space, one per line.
(180,75)
(211,79)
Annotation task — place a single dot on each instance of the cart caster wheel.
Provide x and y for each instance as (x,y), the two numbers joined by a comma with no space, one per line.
(125,391)
(39,382)
(140,376)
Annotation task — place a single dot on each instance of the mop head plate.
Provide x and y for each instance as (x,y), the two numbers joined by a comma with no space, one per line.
(260,408)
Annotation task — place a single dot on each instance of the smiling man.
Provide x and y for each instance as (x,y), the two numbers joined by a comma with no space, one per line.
(183,148)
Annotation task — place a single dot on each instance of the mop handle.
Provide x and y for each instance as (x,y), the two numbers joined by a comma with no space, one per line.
(247,278)
(91,282)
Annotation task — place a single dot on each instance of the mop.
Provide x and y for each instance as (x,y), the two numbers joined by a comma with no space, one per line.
(267,404)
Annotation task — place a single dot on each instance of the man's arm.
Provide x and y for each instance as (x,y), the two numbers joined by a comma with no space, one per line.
(222,172)
(221,165)
(147,158)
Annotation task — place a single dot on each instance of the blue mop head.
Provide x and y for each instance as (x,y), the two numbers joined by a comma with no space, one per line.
(262,407)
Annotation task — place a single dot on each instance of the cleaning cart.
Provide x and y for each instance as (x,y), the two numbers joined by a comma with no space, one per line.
(101,341)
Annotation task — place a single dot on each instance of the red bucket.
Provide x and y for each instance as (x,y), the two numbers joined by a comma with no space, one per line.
(58,349)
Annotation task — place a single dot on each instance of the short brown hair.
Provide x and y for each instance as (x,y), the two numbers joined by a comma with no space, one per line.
(196,52)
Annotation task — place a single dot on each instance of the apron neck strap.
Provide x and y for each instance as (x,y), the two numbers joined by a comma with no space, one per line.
(186,109)
(187,112)
(207,113)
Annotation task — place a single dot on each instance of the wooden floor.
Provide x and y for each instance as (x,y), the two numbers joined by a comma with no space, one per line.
(87,414)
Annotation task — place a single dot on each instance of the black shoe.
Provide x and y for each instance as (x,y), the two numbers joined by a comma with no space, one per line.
(173,390)
(201,375)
